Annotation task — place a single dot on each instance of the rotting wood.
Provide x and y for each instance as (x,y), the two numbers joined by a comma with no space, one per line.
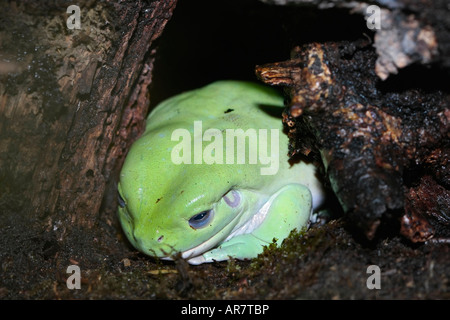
(369,137)
(409,32)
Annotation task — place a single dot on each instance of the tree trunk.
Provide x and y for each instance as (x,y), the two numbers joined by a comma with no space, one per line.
(72,101)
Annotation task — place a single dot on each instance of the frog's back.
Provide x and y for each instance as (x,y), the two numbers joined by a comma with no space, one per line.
(223,105)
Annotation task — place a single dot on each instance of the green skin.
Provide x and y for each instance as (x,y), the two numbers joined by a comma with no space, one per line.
(239,210)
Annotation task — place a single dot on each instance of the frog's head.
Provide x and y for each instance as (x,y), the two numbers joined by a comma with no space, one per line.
(167,209)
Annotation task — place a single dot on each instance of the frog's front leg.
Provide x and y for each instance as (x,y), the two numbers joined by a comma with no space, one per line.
(289,208)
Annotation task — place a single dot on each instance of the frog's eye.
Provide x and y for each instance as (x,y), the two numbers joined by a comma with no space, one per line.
(122,203)
(232,198)
(201,219)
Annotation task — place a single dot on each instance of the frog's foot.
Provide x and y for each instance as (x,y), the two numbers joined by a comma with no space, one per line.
(288,209)
(245,246)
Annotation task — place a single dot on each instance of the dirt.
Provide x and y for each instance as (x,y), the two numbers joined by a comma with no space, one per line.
(326,262)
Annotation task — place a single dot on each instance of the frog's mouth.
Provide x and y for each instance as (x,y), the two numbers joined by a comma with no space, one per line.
(195,256)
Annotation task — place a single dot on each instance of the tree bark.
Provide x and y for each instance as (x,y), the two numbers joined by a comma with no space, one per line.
(384,145)
(72,101)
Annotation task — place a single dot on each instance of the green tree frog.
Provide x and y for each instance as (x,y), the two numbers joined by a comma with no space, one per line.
(210,177)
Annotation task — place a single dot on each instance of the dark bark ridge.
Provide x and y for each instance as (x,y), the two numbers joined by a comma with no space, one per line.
(372,140)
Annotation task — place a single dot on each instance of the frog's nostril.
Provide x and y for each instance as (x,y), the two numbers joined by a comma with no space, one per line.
(160,238)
